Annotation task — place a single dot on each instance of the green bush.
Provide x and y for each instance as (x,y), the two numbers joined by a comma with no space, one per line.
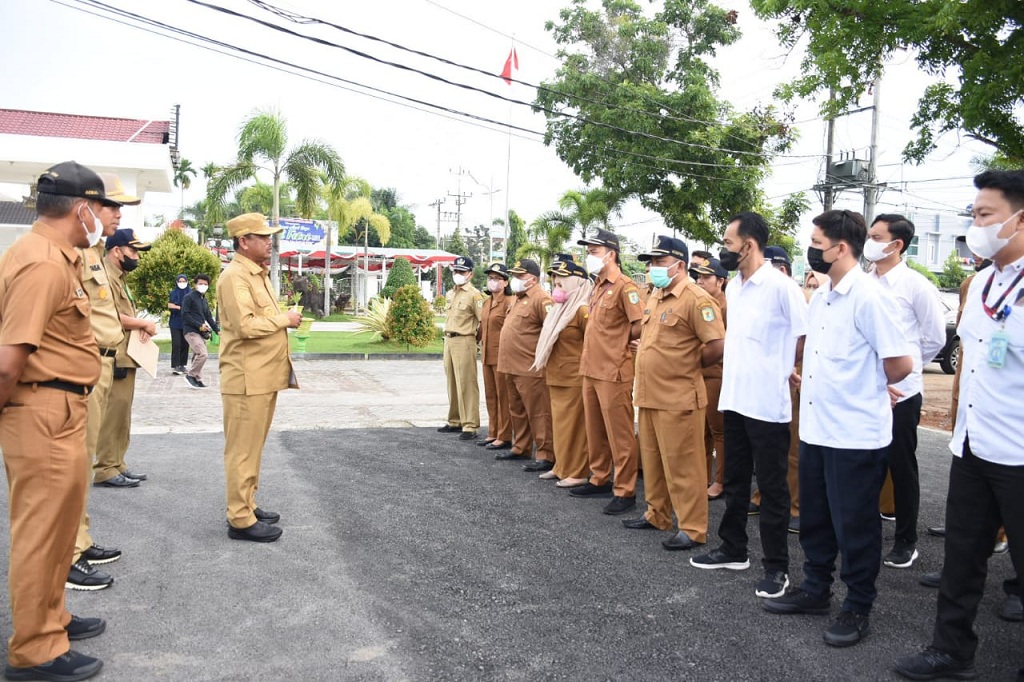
(401,275)
(173,253)
(953,272)
(376,318)
(410,320)
(914,265)
(439,305)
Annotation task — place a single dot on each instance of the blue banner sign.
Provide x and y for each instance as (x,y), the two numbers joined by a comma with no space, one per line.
(298,230)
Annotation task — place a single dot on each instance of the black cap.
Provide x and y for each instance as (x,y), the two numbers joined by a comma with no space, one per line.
(524,266)
(776,254)
(567,269)
(559,257)
(602,238)
(667,246)
(126,237)
(498,269)
(708,266)
(463,264)
(72,179)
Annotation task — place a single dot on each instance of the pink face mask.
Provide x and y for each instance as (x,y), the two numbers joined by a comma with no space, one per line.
(494,286)
(560,295)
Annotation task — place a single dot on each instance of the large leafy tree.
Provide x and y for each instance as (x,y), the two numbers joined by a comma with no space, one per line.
(972,48)
(634,105)
(591,208)
(263,146)
(173,253)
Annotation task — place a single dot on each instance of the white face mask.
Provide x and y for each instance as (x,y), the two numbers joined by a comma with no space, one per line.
(182,285)
(985,241)
(518,285)
(459,279)
(875,251)
(97,228)
(202,288)
(594,264)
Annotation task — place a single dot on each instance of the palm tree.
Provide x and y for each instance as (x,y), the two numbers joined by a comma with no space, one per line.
(349,205)
(183,175)
(590,208)
(548,234)
(263,138)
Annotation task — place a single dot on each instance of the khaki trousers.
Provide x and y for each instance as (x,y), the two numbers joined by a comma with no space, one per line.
(499,423)
(611,438)
(42,434)
(529,405)
(247,421)
(115,430)
(97,406)
(675,470)
(714,432)
(463,389)
(198,345)
(568,425)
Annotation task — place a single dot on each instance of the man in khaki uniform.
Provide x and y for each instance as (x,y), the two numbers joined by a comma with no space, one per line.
(106,326)
(254,366)
(607,370)
(109,469)
(461,328)
(48,364)
(682,333)
(528,401)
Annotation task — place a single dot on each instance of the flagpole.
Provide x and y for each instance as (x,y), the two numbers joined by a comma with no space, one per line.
(513,60)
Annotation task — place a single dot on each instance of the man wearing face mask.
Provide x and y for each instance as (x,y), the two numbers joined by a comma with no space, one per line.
(921,322)
(461,329)
(767,322)
(495,309)
(682,333)
(49,362)
(179,347)
(853,352)
(198,325)
(607,368)
(986,478)
(529,402)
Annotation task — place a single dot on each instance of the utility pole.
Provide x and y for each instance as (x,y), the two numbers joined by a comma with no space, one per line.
(460,199)
(871,188)
(437,204)
(831,136)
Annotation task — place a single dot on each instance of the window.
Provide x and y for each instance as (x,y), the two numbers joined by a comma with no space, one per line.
(912,249)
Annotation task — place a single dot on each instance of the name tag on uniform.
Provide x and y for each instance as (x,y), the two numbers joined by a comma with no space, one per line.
(997,349)
(95,267)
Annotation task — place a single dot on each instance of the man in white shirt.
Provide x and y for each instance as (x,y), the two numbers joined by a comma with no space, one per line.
(986,478)
(923,325)
(853,352)
(768,320)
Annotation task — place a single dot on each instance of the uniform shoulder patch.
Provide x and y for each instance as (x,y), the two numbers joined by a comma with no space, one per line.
(479,303)
(634,297)
(548,307)
(708,313)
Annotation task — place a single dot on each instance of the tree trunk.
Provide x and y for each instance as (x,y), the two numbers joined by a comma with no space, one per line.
(275,250)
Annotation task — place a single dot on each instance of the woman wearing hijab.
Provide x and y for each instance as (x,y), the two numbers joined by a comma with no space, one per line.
(558,353)
(179,347)
(499,422)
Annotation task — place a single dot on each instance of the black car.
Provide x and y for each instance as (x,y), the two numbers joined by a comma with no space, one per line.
(949,356)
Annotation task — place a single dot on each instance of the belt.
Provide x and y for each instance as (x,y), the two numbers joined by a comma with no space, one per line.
(451,334)
(77,389)
(108,352)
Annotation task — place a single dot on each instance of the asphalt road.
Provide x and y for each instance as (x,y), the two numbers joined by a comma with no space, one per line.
(408,555)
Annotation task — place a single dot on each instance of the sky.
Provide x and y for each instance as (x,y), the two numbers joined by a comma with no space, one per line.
(58,58)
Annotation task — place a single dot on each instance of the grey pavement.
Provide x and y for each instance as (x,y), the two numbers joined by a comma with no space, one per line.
(409,555)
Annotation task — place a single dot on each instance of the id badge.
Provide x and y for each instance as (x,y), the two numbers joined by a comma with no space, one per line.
(997,349)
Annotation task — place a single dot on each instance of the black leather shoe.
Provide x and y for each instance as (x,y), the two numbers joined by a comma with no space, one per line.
(84,628)
(512,455)
(119,481)
(680,541)
(137,477)
(447,428)
(539,465)
(932,579)
(619,505)
(485,441)
(507,445)
(1011,609)
(257,532)
(588,489)
(467,435)
(639,524)
(266,516)
(937,531)
(101,555)
(67,667)
(847,629)
(932,664)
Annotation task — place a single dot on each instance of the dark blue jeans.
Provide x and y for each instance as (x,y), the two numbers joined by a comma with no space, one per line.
(839,491)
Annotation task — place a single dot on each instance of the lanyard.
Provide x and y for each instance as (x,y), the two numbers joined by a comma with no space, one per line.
(999,312)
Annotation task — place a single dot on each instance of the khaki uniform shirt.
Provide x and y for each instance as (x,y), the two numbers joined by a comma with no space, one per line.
(495,308)
(106,322)
(125,303)
(522,330)
(254,357)
(43,305)
(614,306)
(465,308)
(677,323)
(715,370)
(563,366)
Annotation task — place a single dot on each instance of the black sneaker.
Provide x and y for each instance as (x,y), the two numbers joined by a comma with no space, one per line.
(848,629)
(932,664)
(773,585)
(97,555)
(794,525)
(887,517)
(716,558)
(753,509)
(901,556)
(200,384)
(619,505)
(68,667)
(588,489)
(178,371)
(84,628)
(798,601)
(191,381)
(82,576)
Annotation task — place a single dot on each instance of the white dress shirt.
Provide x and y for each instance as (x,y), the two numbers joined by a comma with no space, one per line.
(990,397)
(844,402)
(767,315)
(920,319)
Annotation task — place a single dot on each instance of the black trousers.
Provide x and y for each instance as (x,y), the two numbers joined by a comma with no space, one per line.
(179,348)
(839,491)
(906,483)
(751,443)
(982,496)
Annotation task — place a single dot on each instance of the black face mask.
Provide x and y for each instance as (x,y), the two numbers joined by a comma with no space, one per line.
(730,259)
(816,259)
(129,264)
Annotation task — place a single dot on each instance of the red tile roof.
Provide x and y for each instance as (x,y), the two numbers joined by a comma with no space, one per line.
(45,124)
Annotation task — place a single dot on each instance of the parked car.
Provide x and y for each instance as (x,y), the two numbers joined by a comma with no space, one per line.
(949,356)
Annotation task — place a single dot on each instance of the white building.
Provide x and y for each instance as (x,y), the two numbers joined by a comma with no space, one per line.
(935,237)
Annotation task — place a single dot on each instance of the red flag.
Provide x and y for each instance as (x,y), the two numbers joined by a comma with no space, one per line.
(512,63)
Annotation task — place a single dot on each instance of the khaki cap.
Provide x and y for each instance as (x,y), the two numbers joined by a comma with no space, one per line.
(250,223)
(115,191)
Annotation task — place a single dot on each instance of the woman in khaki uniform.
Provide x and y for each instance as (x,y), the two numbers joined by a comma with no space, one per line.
(711,277)
(499,426)
(558,352)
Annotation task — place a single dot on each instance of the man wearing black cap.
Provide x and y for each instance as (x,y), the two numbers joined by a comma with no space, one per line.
(49,362)
(529,402)
(777,256)
(682,332)
(461,327)
(607,368)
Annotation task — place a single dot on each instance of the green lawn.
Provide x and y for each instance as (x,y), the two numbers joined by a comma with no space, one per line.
(343,342)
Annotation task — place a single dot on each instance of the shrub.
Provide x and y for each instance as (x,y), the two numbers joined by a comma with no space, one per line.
(376,318)
(439,305)
(953,272)
(173,253)
(914,265)
(401,275)
(409,319)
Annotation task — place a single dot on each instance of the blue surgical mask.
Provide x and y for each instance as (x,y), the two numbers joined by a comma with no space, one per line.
(660,277)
